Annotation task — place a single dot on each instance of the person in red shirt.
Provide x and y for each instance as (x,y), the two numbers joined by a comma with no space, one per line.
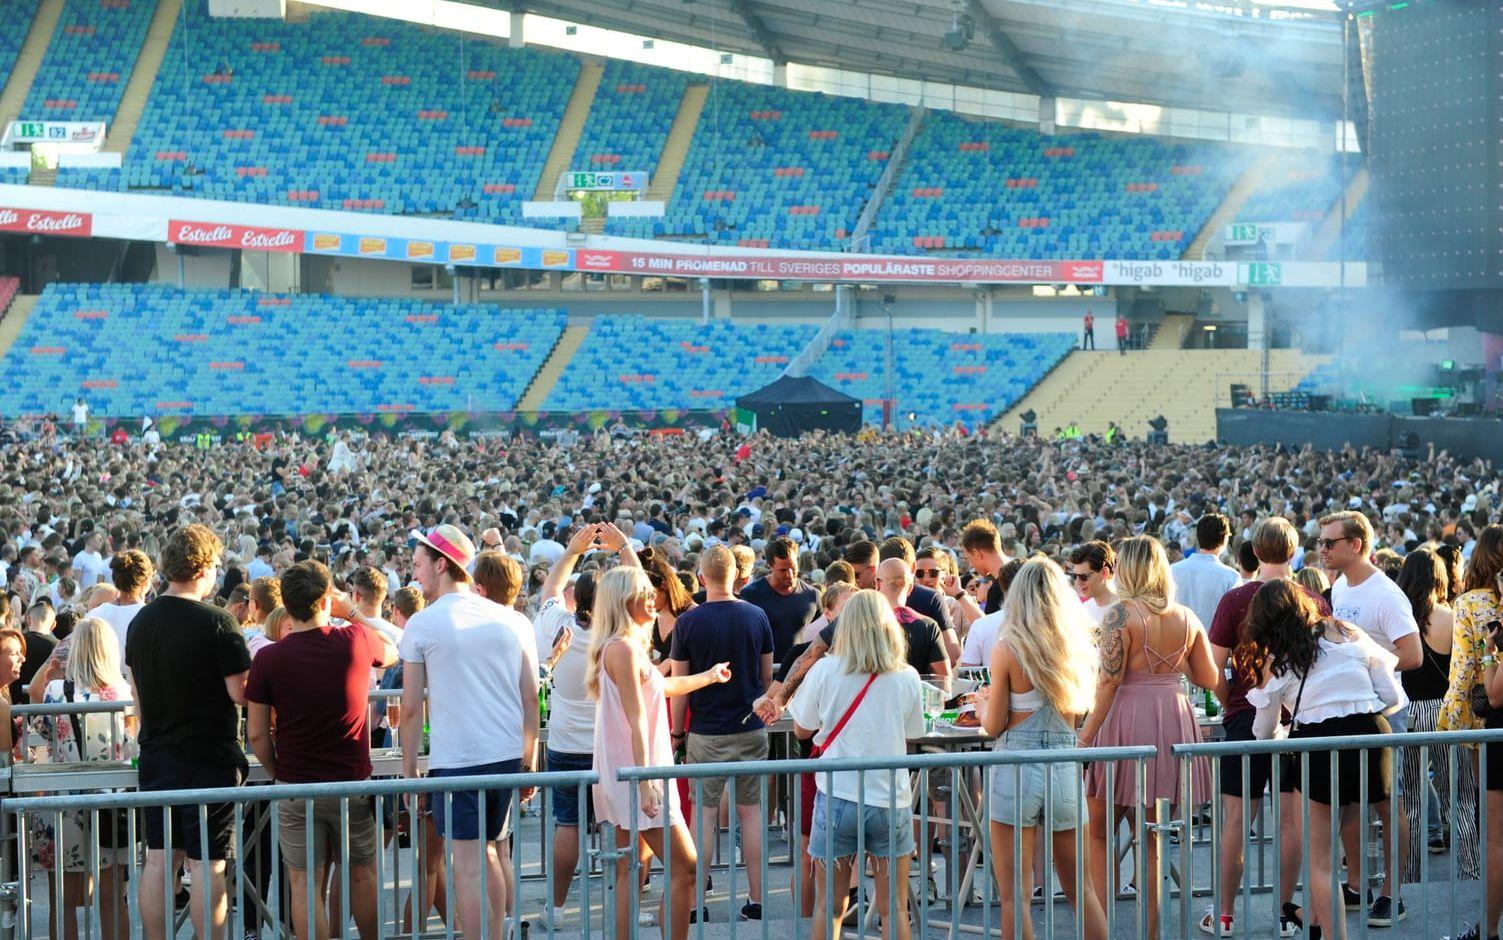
(1121,334)
(1088,341)
(316,679)
(1274,541)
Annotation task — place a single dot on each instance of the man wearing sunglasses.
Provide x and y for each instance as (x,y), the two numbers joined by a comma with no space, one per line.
(1363,595)
(1092,565)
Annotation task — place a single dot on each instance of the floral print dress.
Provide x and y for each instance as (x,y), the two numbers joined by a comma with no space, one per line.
(1474,611)
(104,740)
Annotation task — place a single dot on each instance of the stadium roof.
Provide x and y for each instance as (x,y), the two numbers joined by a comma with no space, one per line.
(1227,55)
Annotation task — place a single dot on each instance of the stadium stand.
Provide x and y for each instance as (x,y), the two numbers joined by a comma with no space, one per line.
(986,188)
(350,112)
(1301,188)
(17,12)
(781,168)
(9,287)
(635,362)
(1358,247)
(89,60)
(231,353)
(940,377)
(629,118)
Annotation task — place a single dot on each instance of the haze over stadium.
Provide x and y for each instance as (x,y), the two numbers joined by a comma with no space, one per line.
(901,465)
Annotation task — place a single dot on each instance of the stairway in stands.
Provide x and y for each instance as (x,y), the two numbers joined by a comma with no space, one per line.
(566,140)
(13,318)
(1170,333)
(1323,244)
(143,76)
(676,148)
(553,367)
(1183,385)
(1226,213)
(38,38)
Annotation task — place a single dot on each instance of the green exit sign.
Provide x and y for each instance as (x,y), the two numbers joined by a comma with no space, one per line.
(1264,274)
(1244,232)
(32,129)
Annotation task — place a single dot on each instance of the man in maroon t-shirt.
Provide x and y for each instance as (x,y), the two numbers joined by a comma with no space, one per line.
(1273,541)
(317,680)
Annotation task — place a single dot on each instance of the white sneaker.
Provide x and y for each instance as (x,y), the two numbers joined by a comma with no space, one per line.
(1216,926)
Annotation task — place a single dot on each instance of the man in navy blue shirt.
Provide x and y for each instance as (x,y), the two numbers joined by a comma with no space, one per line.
(789,602)
(722,726)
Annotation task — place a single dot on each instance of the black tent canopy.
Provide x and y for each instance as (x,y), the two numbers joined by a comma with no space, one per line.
(794,404)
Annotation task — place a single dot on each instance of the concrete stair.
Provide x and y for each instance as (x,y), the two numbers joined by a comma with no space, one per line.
(1183,385)
(1226,213)
(553,367)
(15,317)
(1324,241)
(38,38)
(594,225)
(42,176)
(676,147)
(143,76)
(1171,331)
(566,140)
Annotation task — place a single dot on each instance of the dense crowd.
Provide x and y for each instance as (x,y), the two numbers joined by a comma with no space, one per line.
(678,593)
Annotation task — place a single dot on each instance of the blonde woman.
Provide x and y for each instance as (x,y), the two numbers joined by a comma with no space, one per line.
(631,730)
(92,674)
(863,700)
(1147,644)
(1044,678)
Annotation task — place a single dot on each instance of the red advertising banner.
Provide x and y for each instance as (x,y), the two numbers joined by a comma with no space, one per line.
(248,237)
(787,267)
(43,222)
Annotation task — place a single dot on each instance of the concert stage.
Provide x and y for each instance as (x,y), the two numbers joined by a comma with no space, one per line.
(1331,430)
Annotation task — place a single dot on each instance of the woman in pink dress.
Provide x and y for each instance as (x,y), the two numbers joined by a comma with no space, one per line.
(1147,644)
(631,730)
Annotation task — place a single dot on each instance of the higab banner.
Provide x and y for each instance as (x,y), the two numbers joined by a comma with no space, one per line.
(43,222)
(248,237)
(845,269)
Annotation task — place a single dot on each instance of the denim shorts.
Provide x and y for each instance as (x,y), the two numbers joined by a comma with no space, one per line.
(1018,791)
(464,821)
(885,833)
(566,799)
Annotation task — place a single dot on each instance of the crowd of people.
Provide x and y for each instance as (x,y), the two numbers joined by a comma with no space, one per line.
(677,594)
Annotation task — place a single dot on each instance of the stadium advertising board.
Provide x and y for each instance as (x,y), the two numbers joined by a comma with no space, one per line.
(89,134)
(840,268)
(247,237)
(44,222)
(613,181)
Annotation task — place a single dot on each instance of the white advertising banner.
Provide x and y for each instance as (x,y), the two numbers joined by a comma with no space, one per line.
(76,133)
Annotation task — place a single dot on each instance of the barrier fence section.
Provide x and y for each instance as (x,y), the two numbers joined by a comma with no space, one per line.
(951,800)
(1443,772)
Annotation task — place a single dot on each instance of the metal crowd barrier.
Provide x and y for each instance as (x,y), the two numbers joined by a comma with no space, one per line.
(1437,903)
(962,781)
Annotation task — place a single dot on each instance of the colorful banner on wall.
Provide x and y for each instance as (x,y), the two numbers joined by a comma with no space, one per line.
(43,222)
(838,268)
(536,423)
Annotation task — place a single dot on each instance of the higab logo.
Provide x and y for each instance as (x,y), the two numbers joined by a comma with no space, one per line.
(42,222)
(234,236)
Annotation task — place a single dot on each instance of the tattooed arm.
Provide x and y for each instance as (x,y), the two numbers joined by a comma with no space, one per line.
(1113,668)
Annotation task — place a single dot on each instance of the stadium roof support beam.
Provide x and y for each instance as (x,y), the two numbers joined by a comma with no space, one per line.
(1012,56)
(759,31)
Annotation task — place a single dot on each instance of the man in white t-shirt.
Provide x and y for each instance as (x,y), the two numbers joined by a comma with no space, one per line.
(482,701)
(80,417)
(980,640)
(131,573)
(1092,565)
(1363,595)
(88,565)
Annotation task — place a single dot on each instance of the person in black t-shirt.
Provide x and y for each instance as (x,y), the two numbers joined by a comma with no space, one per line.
(789,603)
(982,547)
(188,666)
(926,648)
(39,646)
(923,600)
